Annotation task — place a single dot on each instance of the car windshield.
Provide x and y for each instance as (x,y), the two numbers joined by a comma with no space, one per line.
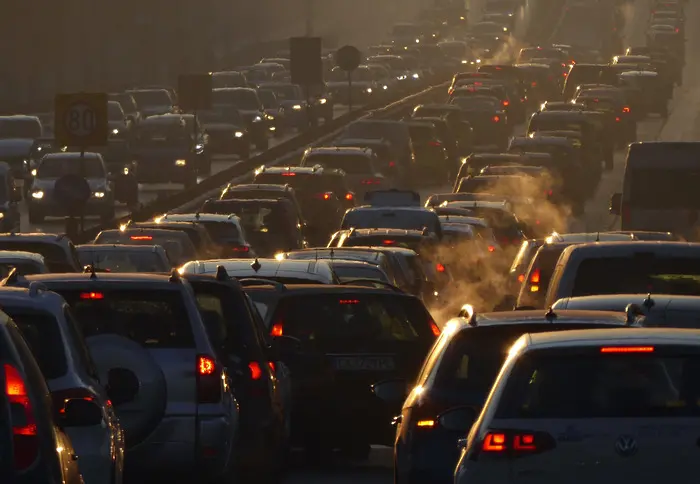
(579,384)
(162,134)
(123,261)
(177,245)
(43,336)
(53,167)
(241,98)
(477,103)
(391,219)
(268,98)
(287,93)
(19,128)
(153,318)
(351,164)
(156,97)
(348,321)
(115,112)
(227,79)
(644,273)
(663,189)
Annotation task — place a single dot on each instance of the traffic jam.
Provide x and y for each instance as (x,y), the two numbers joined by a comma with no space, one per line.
(471,250)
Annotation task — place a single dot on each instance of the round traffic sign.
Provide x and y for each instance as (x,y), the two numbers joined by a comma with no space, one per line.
(348,58)
(80,120)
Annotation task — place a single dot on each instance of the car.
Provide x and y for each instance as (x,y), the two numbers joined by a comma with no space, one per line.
(615,267)
(603,388)
(153,102)
(360,166)
(488,118)
(247,102)
(391,217)
(338,362)
(221,79)
(149,325)
(61,170)
(285,271)
(582,73)
(271,225)
(55,339)
(35,446)
(18,134)
(362,88)
(261,191)
(128,105)
(274,112)
(117,122)
(225,231)
(22,262)
(298,113)
(124,258)
(456,380)
(177,244)
(226,132)
(10,197)
(166,150)
(204,246)
(382,150)
(57,250)
(417,240)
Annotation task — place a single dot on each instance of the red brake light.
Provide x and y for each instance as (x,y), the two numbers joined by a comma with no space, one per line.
(524,442)
(617,119)
(372,181)
(548,193)
(388,242)
(533,84)
(271,364)
(506,103)
(516,442)
(677,30)
(242,248)
(349,301)
(435,143)
(494,442)
(26,445)
(325,196)
(627,349)
(521,278)
(535,276)
(92,295)
(255,370)
(141,237)
(349,196)
(205,366)
(496,119)
(434,328)
(277,329)
(289,173)
(626,109)
(392,164)
(492,248)
(61,397)
(439,267)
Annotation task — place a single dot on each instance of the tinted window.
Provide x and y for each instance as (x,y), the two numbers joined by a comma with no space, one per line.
(56,167)
(643,274)
(359,271)
(124,261)
(162,133)
(346,319)
(413,243)
(177,245)
(264,301)
(43,336)
(663,189)
(152,318)
(592,385)
(350,164)
(20,128)
(23,268)
(78,340)
(55,257)
(115,111)
(223,231)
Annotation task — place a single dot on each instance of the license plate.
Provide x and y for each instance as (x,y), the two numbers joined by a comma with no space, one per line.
(363,363)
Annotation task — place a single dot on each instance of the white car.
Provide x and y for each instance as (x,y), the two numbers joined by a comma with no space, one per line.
(589,406)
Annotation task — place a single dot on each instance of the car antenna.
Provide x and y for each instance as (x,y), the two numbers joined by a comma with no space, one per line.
(256,265)
(332,253)
(648,302)
(550,315)
(597,237)
(316,254)
(90,269)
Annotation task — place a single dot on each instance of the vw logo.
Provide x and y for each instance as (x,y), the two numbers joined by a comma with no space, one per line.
(626,446)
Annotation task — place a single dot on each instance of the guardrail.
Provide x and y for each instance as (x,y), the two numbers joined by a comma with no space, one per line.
(276,153)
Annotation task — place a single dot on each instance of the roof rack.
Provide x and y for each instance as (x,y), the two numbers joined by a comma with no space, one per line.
(361,281)
(259,281)
(174,276)
(469,313)
(221,273)
(90,269)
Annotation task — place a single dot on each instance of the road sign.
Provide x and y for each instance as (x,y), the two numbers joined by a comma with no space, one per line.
(348,58)
(305,58)
(81,119)
(194,92)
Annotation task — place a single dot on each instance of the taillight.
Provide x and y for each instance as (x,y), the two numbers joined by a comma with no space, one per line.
(324,196)
(521,278)
(434,328)
(617,119)
(626,109)
(24,430)
(506,103)
(548,193)
(491,248)
(535,276)
(255,370)
(516,443)
(533,84)
(439,267)
(208,380)
(272,366)
(372,181)
(349,196)
(239,249)
(277,329)
(496,119)
(437,144)
(392,164)
(61,397)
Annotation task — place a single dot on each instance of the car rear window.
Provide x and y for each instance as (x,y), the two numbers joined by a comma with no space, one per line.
(350,163)
(123,261)
(642,274)
(574,384)
(664,189)
(413,243)
(43,336)
(346,272)
(55,257)
(351,320)
(176,244)
(153,318)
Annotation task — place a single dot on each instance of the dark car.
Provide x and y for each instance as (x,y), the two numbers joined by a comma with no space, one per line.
(488,119)
(432,163)
(455,119)
(227,132)
(354,337)
(251,109)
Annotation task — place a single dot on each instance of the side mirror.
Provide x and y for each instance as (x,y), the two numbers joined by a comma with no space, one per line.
(458,419)
(391,391)
(16,195)
(122,385)
(82,413)
(616,204)
(287,345)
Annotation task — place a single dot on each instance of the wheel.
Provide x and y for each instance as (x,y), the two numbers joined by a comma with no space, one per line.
(35,217)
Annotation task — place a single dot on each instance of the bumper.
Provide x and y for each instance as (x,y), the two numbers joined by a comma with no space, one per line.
(49,208)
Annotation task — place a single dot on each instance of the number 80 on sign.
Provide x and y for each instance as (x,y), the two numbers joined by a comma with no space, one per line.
(81,119)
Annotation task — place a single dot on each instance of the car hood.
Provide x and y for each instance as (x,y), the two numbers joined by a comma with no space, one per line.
(15,146)
(48,184)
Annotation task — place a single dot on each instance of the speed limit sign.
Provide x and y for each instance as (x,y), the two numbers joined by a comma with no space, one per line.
(81,119)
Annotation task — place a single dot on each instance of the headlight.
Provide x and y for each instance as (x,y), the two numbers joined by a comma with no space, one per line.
(464,62)
(415,76)
(199,147)
(385,86)
(296,107)
(478,61)
(38,194)
(269,117)
(33,172)
(322,101)
(98,194)
(369,90)
(417,41)
(180,162)
(257,119)
(125,170)
(115,131)
(505,29)
(25,162)
(238,134)
(510,14)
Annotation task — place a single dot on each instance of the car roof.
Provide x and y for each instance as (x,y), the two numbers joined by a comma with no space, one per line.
(270,266)
(112,278)
(345,150)
(33,236)
(326,288)
(113,247)
(624,248)
(198,217)
(272,187)
(613,336)
(650,301)
(306,170)
(35,297)
(383,208)
(71,155)
(20,255)
(577,238)
(388,232)
(534,316)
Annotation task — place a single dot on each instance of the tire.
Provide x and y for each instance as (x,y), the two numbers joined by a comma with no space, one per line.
(35,217)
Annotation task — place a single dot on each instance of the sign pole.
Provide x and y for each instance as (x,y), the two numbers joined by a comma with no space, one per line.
(82,174)
(349,90)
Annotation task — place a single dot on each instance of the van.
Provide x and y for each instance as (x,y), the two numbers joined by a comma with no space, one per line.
(659,188)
